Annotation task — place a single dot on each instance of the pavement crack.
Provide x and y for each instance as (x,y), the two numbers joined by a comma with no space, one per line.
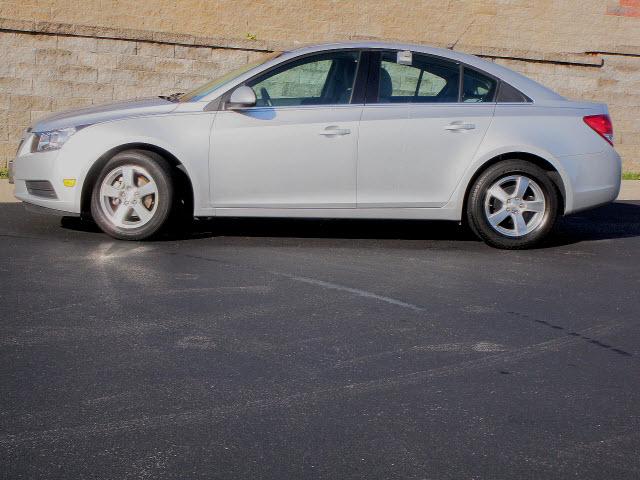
(582,336)
(319,283)
(354,291)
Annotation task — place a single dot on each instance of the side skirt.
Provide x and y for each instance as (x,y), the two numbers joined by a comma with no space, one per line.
(443,213)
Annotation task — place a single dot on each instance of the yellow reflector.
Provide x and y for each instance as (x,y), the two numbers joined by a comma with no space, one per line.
(69,182)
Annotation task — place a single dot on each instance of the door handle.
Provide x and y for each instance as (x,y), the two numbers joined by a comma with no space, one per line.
(459,126)
(333,130)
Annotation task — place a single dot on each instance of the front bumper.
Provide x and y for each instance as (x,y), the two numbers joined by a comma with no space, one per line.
(48,211)
(38,168)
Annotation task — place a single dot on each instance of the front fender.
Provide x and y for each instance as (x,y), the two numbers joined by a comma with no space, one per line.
(185,136)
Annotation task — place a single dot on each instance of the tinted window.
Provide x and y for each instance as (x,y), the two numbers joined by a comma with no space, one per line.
(478,87)
(508,94)
(425,80)
(325,79)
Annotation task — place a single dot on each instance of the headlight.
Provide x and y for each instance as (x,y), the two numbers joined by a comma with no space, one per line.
(53,140)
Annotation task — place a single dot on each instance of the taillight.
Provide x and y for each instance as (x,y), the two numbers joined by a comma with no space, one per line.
(601,124)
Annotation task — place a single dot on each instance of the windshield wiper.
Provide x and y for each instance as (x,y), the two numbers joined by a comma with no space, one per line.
(174,97)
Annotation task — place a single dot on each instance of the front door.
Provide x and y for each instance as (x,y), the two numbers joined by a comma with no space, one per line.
(297,148)
(419,132)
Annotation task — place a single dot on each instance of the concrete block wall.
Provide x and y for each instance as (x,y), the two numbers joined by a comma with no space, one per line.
(61,54)
(42,73)
(546,25)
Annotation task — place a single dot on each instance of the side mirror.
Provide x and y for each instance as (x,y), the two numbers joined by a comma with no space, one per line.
(242,97)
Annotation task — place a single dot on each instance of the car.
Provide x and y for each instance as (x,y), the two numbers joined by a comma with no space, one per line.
(346,130)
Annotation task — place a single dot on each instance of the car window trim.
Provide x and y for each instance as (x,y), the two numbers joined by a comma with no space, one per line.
(358,91)
(373,80)
(460,82)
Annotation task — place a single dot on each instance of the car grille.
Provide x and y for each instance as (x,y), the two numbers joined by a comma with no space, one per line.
(41,188)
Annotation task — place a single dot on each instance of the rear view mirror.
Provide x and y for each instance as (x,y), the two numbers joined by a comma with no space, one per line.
(242,97)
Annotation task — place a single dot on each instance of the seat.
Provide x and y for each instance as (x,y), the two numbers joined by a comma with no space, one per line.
(385,91)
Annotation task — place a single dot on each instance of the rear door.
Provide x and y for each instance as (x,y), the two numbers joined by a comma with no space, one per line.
(422,123)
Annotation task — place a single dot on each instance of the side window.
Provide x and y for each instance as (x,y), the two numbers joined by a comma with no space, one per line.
(425,80)
(478,87)
(325,79)
(508,94)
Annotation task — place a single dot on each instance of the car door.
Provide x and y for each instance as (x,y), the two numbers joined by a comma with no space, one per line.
(419,131)
(297,148)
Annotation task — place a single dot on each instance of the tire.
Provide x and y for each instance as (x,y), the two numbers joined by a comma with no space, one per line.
(513,205)
(180,221)
(120,204)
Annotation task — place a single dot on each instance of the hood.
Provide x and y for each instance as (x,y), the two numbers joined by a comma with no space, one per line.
(104,113)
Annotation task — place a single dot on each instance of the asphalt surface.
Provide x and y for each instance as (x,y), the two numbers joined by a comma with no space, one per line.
(319,349)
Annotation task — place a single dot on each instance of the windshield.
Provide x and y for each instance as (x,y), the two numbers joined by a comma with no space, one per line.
(207,88)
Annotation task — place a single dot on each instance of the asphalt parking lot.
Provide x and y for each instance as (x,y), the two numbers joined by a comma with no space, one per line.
(319,349)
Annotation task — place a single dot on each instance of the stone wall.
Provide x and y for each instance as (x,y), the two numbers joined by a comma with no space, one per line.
(61,54)
(545,25)
(43,73)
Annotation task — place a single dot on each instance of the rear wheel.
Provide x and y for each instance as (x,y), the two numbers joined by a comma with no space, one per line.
(133,195)
(513,205)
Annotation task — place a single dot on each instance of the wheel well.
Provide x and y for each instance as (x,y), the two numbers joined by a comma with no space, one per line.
(553,174)
(183,181)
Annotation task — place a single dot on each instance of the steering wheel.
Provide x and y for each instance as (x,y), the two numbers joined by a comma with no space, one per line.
(266,97)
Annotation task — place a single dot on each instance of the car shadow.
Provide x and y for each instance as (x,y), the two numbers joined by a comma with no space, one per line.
(302,228)
(612,221)
(617,220)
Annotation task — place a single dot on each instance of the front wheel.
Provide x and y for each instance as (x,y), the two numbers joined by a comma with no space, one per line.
(133,195)
(513,205)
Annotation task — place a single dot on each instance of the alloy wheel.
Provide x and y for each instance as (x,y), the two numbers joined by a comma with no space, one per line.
(129,196)
(515,206)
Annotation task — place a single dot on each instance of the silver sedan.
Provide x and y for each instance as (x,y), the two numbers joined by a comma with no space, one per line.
(353,130)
